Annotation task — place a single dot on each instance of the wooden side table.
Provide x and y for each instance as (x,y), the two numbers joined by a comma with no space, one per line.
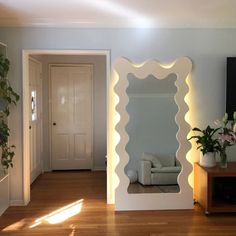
(215,188)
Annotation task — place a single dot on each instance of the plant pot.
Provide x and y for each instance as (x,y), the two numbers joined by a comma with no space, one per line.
(208,159)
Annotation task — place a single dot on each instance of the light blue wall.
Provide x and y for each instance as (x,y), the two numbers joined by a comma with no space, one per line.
(208,49)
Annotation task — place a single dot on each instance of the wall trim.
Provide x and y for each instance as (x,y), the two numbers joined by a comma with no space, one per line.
(17,203)
(101,168)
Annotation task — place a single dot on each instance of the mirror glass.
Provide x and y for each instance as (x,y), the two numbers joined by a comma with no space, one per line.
(152,145)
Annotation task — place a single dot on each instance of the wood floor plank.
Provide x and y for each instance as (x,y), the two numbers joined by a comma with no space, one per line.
(52,191)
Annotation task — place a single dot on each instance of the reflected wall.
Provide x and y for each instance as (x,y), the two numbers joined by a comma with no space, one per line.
(152,109)
(151,129)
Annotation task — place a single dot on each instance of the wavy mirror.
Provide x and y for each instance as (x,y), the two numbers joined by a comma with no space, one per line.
(152,135)
(138,88)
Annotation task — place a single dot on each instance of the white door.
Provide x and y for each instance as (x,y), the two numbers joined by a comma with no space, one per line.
(35,126)
(71,116)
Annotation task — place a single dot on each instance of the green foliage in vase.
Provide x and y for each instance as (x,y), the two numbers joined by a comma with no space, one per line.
(7,97)
(206,141)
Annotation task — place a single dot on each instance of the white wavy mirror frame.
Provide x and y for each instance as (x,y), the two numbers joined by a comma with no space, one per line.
(153,201)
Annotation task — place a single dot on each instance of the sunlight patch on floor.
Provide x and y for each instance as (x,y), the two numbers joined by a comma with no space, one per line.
(15,226)
(61,214)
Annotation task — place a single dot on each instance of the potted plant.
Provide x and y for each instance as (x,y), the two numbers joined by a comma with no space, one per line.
(207,144)
(7,97)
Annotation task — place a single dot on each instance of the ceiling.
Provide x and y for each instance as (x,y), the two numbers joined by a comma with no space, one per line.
(119,13)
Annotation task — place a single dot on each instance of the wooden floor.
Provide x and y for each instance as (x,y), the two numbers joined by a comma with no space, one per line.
(55,190)
(139,188)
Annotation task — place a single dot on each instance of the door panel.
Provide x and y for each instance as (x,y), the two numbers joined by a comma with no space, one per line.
(80,146)
(33,152)
(62,142)
(61,104)
(71,100)
(35,119)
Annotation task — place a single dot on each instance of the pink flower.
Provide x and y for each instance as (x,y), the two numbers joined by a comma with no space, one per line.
(233,136)
(227,137)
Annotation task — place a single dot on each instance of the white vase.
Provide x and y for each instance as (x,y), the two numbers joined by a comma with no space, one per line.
(208,159)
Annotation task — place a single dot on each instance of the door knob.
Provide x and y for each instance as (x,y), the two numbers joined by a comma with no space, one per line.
(30,127)
(54,123)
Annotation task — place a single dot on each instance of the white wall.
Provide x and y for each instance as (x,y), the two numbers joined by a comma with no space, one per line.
(99,105)
(208,49)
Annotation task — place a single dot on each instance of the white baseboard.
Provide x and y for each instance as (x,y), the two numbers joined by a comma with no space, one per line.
(17,203)
(101,168)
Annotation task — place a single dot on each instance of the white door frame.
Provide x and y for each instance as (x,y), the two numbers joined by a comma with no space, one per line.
(25,108)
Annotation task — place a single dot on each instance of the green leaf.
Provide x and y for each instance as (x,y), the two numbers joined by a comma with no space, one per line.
(7,97)
(196,129)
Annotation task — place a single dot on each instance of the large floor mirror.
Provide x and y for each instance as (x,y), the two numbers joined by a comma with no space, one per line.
(152,170)
(152,135)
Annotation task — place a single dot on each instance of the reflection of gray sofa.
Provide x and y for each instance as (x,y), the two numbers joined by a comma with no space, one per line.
(158,170)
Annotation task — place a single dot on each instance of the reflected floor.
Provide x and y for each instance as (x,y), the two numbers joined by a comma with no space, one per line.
(139,188)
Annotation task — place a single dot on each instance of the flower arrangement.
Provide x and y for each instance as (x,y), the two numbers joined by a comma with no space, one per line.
(216,140)
(227,136)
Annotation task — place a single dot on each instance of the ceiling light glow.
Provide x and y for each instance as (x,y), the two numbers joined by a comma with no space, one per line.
(136,19)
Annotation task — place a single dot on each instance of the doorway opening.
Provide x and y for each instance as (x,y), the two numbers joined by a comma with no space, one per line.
(99,60)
